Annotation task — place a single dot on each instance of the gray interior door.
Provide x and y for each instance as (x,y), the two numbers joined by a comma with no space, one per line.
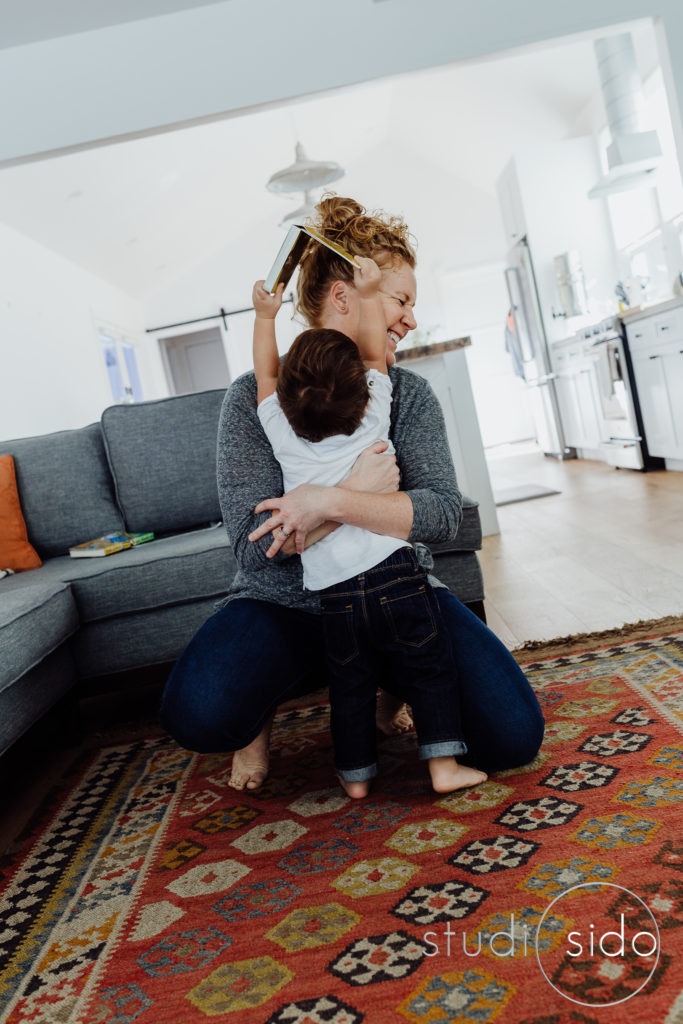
(196,362)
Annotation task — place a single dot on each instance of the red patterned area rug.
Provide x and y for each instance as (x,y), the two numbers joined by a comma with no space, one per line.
(150,892)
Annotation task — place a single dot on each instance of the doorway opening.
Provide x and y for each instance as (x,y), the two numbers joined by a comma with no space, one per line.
(195,361)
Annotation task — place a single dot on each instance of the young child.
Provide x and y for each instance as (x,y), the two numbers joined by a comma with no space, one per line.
(327,402)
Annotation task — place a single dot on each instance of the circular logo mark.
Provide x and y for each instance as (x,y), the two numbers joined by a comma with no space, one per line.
(611,951)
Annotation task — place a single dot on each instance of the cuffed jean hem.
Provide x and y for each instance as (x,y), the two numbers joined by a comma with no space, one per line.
(357,774)
(446,748)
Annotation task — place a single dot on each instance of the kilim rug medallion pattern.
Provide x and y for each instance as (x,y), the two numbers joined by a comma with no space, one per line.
(151,892)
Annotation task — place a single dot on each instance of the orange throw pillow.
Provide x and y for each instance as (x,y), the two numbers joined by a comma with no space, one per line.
(15,551)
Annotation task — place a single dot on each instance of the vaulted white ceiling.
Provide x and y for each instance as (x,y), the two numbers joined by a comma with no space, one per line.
(141,213)
(30,21)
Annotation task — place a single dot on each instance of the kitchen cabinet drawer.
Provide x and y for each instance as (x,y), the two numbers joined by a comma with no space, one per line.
(641,334)
(578,402)
(656,330)
(669,326)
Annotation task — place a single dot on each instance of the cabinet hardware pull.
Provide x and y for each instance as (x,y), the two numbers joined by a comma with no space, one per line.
(654,357)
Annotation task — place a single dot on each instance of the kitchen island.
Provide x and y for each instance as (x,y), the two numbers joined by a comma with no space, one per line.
(444,365)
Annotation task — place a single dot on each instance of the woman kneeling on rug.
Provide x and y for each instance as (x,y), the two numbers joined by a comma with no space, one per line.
(265,646)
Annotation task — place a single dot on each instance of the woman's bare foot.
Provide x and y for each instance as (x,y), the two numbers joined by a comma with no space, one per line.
(447,775)
(392,715)
(356,790)
(250,764)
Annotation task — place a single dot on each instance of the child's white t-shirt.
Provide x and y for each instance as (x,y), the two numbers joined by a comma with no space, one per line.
(348,550)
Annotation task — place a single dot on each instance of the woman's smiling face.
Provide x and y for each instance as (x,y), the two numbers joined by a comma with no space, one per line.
(398,291)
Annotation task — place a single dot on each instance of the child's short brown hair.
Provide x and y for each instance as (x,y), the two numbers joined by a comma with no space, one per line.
(322,385)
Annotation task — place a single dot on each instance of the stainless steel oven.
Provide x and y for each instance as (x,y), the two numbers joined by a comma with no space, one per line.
(622,437)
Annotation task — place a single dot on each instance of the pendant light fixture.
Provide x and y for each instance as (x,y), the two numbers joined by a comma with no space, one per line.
(302,213)
(304,174)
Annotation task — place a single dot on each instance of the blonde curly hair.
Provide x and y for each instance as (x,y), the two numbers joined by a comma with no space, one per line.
(384,238)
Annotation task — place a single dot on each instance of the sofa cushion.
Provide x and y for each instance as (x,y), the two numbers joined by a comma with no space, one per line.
(468,537)
(163,459)
(35,618)
(169,571)
(15,551)
(461,573)
(65,488)
(29,697)
(152,637)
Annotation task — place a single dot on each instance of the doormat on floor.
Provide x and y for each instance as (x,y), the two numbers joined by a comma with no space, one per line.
(524,492)
(146,890)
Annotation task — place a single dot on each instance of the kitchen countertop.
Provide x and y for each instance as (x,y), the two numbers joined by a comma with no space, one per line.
(572,339)
(436,349)
(656,307)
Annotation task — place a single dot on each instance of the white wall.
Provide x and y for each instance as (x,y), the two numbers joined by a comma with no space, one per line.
(230,56)
(199,64)
(462,223)
(563,219)
(225,279)
(476,299)
(52,371)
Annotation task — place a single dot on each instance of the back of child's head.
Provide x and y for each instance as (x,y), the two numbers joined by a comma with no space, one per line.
(322,385)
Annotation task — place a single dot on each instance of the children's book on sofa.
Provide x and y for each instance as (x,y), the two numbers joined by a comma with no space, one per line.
(291,251)
(109,544)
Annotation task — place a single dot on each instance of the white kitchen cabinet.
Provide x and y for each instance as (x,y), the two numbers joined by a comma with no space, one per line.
(641,334)
(588,410)
(657,352)
(576,394)
(655,404)
(569,410)
(673,371)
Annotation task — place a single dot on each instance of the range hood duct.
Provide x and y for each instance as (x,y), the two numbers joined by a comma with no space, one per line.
(632,156)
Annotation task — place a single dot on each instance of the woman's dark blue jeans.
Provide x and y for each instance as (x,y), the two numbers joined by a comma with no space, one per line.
(252,656)
(386,623)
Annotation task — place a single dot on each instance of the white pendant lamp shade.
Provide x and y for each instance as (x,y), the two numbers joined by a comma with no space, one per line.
(302,213)
(304,174)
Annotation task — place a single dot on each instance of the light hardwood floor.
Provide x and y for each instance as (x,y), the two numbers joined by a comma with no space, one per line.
(607,550)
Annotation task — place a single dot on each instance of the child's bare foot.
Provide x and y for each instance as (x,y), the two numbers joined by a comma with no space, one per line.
(392,715)
(447,775)
(250,764)
(356,790)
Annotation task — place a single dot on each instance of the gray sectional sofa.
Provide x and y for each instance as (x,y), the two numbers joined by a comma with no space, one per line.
(149,466)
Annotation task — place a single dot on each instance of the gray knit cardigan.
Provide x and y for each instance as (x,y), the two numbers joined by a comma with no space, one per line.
(248,472)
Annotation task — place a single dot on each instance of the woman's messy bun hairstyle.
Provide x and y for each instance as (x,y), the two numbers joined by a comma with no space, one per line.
(376,234)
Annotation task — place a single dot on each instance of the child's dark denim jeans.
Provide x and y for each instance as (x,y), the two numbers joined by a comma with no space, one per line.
(386,624)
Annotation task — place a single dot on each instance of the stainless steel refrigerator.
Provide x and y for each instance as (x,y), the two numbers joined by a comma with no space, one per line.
(533,353)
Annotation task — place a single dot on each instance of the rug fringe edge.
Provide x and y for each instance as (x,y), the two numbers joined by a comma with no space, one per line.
(626,633)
